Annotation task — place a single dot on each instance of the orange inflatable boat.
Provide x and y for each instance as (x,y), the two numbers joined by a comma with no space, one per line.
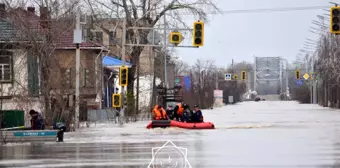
(173,123)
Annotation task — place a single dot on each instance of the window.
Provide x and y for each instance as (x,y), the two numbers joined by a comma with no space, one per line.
(33,74)
(5,66)
(112,37)
(99,37)
(68,74)
(88,80)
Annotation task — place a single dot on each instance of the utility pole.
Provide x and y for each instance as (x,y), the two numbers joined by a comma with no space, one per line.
(164,49)
(1,112)
(281,75)
(314,81)
(287,85)
(255,73)
(77,40)
(232,66)
(216,84)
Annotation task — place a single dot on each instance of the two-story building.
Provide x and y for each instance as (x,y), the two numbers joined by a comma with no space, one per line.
(20,68)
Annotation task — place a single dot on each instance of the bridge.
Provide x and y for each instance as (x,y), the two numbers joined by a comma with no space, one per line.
(270,77)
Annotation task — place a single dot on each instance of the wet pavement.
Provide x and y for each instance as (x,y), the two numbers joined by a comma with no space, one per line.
(248,134)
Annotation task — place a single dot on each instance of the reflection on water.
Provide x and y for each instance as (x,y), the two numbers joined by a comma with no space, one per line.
(261,134)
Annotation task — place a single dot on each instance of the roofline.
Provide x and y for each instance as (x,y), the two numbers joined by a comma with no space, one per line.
(116,66)
(20,41)
(86,48)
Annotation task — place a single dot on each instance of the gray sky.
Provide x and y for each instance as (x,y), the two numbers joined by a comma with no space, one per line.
(240,36)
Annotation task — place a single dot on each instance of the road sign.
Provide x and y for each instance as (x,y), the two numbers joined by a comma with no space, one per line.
(153,37)
(313,76)
(228,76)
(306,76)
(299,82)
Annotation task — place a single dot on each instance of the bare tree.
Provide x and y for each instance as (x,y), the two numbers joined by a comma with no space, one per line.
(145,13)
(181,67)
(327,70)
(203,78)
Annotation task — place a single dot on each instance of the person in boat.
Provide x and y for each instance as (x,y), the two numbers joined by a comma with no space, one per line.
(170,112)
(37,120)
(179,111)
(159,113)
(188,115)
(197,114)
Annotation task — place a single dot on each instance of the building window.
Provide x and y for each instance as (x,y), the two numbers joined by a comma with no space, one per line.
(5,66)
(99,37)
(88,78)
(33,74)
(112,37)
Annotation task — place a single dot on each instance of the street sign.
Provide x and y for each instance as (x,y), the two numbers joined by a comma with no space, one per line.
(313,76)
(153,37)
(228,76)
(306,76)
(299,82)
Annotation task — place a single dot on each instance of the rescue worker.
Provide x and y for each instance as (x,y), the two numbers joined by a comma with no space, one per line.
(197,115)
(158,113)
(37,121)
(179,110)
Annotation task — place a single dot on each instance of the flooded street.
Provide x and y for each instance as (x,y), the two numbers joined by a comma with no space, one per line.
(248,134)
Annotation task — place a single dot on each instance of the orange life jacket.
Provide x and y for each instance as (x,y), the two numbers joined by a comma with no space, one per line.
(180,110)
(159,114)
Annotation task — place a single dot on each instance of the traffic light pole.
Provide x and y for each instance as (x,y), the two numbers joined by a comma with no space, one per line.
(77,41)
(165,64)
(164,46)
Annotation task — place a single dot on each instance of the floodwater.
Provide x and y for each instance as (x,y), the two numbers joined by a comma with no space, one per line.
(247,135)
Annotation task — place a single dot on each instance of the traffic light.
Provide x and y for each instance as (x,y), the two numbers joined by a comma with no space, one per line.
(335,20)
(123,76)
(297,74)
(175,38)
(313,76)
(243,75)
(198,34)
(116,100)
(235,77)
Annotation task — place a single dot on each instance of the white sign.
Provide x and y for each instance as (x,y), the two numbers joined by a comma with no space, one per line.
(228,76)
(230,99)
(218,93)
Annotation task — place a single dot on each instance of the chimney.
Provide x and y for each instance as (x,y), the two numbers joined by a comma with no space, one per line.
(2,10)
(43,17)
(31,9)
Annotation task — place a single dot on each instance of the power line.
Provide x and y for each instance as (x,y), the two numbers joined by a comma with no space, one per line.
(263,10)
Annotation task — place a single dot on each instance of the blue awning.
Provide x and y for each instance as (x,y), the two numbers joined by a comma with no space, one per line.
(110,61)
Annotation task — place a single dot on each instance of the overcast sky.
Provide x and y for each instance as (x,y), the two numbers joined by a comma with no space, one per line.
(240,36)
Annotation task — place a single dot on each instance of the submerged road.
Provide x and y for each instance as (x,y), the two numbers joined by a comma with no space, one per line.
(247,135)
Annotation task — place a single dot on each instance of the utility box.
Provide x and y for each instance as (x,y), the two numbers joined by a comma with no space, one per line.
(12,118)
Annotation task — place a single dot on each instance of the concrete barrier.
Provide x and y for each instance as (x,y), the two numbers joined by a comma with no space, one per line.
(21,136)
